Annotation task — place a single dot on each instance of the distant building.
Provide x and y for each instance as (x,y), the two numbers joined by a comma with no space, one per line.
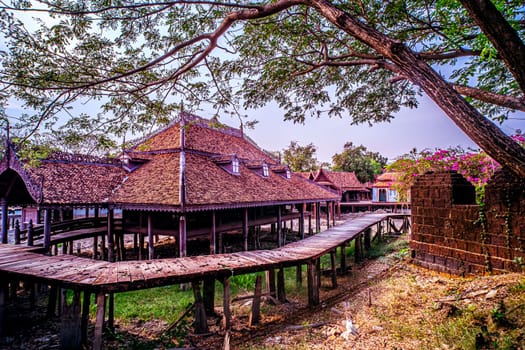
(345,183)
(384,189)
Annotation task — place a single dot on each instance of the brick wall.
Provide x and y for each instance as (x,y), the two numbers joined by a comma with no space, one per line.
(447,234)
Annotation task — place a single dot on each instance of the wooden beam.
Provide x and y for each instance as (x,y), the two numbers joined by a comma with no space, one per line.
(343,258)
(151,248)
(367,239)
(99,323)
(255,314)
(301,220)
(299,275)
(111,312)
(328,206)
(270,282)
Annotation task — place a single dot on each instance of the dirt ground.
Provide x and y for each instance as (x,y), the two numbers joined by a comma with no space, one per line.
(385,303)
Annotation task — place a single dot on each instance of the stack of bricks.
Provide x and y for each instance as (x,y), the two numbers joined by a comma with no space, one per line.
(447,234)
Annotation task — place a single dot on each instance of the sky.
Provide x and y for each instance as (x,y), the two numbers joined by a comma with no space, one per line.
(422,128)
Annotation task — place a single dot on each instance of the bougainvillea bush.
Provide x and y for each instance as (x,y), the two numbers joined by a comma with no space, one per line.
(475,165)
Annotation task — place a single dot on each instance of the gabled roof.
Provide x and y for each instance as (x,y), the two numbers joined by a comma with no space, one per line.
(341,180)
(386,180)
(156,172)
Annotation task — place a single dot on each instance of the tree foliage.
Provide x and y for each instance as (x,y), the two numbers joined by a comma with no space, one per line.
(365,164)
(300,158)
(137,61)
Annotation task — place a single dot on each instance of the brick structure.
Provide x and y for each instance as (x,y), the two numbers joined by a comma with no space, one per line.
(448,235)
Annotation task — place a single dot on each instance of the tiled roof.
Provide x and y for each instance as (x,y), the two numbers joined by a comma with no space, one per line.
(76,183)
(343,180)
(151,178)
(386,180)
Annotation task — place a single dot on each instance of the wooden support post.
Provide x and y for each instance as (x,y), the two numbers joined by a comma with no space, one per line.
(226,317)
(182,235)
(301,220)
(245,229)
(17,232)
(52,301)
(200,323)
(96,212)
(70,328)
(299,275)
(5,219)
(343,258)
(151,248)
(111,312)
(281,290)
(213,233)
(85,316)
(367,239)
(310,230)
(255,314)
(358,251)
(280,240)
(379,231)
(111,244)
(99,323)
(30,233)
(141,246)
(86,213)
(333,262)
(318,218)
(95,247)
(64,248)
(270,283)
(47,231)
(328,205)
(208,292)
(103,247)
(313,285)
(333,213)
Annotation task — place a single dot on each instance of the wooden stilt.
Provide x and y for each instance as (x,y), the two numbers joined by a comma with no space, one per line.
(85,316)
(226,318)
(358,251)
(255,314)
(70,328)
(301,221)
(367,239)
(111,244)
(182,235)
(5,219)
(17,232)
(280,240)
(281,290)
(299,275)
(99,323)
(103,247)
(141,246)
(270,282)
(47,231)
(245,229)
(52,301)
(334,268)
(313,285)
(343,258)
(111,312)
(151,248)
(200,323)
(213,233)
(209,296)
(30,233)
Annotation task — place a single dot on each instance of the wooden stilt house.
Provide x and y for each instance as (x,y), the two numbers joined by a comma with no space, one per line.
(191,180)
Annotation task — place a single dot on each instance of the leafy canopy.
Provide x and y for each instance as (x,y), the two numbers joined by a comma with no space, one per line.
(135,62)
(365,164)
(300,158)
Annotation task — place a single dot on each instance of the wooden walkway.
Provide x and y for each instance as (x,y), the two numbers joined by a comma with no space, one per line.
(101,277)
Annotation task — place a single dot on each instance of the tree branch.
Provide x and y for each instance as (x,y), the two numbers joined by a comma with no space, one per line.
(491,97)
(500,33)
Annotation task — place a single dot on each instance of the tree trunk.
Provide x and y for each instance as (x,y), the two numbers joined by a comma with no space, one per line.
(482,131)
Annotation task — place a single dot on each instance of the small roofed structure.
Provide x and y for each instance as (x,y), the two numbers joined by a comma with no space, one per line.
(384,189)
(193,179)
(349,188)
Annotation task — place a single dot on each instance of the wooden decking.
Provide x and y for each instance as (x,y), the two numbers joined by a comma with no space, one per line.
(19,262)
(73,272)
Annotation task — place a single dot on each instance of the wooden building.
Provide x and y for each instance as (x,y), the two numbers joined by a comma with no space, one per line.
(193,179)
(345,183)
(384,188)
